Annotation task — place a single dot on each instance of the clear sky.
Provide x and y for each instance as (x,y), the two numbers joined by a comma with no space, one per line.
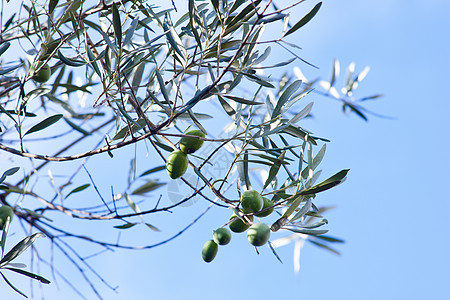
(391,210)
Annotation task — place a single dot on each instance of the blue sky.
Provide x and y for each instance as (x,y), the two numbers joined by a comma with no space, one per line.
(391,210)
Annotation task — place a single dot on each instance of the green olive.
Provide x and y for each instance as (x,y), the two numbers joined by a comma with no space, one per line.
(5,212)
(189,144)
(209,251)
(258,234)
(267,203)
(44,73)
(222,236)
(238,225)
(251,202)
(177,164)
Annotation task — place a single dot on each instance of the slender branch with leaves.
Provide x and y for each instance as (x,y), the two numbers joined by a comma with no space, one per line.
(191,88)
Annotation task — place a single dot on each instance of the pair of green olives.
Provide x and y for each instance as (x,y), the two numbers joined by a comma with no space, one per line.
(177,162)
(221,236)
(44,73)
(253,202)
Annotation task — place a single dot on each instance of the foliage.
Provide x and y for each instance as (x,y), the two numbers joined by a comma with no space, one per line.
(132,73)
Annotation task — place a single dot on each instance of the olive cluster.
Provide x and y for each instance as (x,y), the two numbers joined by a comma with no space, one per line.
(257,234)
(177,162)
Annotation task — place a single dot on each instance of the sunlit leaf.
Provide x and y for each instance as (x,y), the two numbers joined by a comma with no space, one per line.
(20,248)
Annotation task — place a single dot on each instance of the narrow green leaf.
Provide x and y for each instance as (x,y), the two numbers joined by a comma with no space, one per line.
(315,225)
(154,228)
(324,246)
(330,239)
(316,161)
(274,169)
(20,248)
(31,275)
(215,4)
(307,231)
(303,113)
(36,215)
(76,127)
(163,146)
(149,186)
(195,120)
(3,47)
(371,97)
(9,172)
(27,114)
(305,19)
(51,5)
(297,132)
(92,60)
(130,31)
(327,184)
(162,86)
(242,100)
(303,210)
(69,61)
(274,252)
(125,226)
(45,123)
(153,170)
(334,72)
(280,222)
(355,110)
(12,286)
(247,10)
(117,24)
(285,96)
(5,233)
(125,130)
(78,189)
(258,80)
(226,107)
(192,22)
(133,205)
(174,40)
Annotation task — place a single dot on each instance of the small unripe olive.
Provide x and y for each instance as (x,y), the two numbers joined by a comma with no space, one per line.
(177,164)
(189,144)
(267,203)
(258,234)
(251,202)
(5,212)
(222,236)
(44,73)
(209,251)
(238,225)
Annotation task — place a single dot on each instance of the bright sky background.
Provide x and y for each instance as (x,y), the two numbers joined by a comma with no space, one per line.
(391,210)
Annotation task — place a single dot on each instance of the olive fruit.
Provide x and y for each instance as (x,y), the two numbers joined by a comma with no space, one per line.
(258,234)
(238,225)
(209,251)
(251,202)
(5,212)
(267,203)
(44,73)
(177,164)
(222,236)
(189,144)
